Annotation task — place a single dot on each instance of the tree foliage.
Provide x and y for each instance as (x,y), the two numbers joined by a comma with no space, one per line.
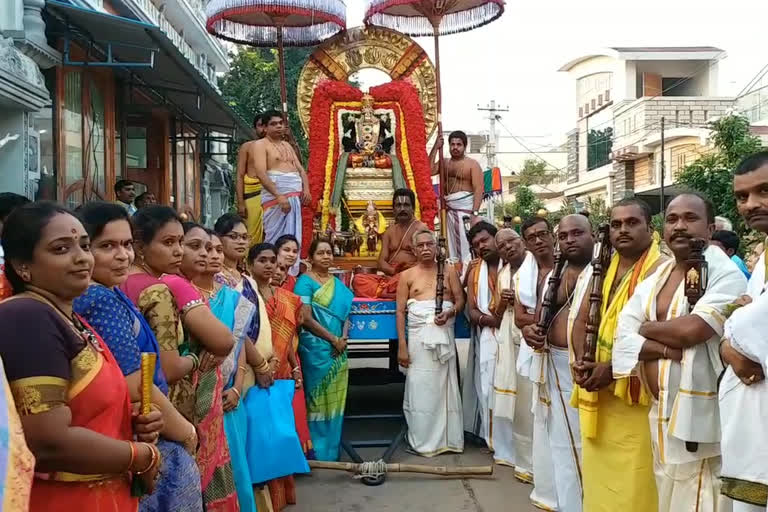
(252,85)
(525,205)
(712,174)
(538,172)
(594,206)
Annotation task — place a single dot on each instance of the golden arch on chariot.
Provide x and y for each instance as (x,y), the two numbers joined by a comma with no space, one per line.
(363,146)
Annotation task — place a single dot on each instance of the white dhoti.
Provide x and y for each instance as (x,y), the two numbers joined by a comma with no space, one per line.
(532,394)
(432,402)
(277,223)
(564,432)
(743,408)
(689,484)
(505,384)
(459,204)
(523,430)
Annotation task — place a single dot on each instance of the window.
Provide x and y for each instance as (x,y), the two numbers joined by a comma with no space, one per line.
(600,135)
(136,147)
(72,132)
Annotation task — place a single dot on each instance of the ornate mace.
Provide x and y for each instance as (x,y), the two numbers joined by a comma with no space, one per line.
(276,23)
(434,17)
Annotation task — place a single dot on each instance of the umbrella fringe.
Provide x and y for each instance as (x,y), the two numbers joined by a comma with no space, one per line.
(307,22)
(417,25)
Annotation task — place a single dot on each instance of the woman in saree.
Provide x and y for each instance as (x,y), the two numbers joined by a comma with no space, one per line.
(284,311)
(213,457)
(233,234)
(69,391)
(127,335)
(287,247)
(191,339)
(236,312)
(323,349)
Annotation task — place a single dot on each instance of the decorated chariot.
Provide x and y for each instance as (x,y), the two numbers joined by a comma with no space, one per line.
(364,145)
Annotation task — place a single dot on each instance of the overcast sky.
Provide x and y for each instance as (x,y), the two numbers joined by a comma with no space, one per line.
(515,59)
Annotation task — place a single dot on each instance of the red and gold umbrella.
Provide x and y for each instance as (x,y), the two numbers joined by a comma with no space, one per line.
(434,17)
(276,23)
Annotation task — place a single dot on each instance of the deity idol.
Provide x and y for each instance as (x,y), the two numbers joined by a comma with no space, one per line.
(368,144)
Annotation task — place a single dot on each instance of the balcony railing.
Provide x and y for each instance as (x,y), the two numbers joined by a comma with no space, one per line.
(159,19)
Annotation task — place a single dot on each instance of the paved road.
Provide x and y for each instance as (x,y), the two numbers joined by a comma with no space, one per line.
(332,491)
(336,491)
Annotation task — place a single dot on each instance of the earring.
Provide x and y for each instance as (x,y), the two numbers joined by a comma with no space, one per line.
(25,275)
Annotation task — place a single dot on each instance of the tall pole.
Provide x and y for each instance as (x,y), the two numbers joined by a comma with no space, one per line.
(281,67)
(661,171)
(491,146)
(442,246)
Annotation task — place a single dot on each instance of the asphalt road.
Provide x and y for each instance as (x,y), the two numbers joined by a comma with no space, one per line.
(337,491)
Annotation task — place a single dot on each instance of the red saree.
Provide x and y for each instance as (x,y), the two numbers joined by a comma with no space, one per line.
(283,310)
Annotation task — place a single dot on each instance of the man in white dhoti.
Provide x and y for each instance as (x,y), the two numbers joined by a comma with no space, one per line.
(463,195)
(481,363)
(505,388)
(284,182)
(677,350)
(432,403)
(553,408)
(743,394)
(534,463)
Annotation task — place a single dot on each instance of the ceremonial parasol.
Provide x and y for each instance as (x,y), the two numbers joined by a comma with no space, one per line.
(434,17)
(276,23)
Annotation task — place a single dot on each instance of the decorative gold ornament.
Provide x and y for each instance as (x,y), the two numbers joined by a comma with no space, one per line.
(517,220)
(394,53)
(542,212)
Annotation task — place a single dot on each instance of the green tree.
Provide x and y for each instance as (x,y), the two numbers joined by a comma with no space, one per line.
(525,205)
(538,172)
(252,85)
(595,206)
(712,174)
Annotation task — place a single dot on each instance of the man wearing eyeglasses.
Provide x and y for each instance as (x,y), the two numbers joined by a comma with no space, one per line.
(529,284)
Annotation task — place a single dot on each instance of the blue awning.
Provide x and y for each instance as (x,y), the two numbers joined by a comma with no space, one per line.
(148,53)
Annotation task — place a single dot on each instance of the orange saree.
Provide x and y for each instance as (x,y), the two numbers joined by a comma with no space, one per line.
(283,310)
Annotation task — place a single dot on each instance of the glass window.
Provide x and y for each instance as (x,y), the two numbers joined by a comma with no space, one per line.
(190,165)
(72,128)
(136,147)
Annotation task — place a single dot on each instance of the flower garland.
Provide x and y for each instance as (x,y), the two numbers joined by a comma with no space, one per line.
(415,144)
(323,155)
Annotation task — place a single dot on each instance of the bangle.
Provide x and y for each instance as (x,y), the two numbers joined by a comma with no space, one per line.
(241,367)
(132,446)
(263,368)
(295,369)
(665,352)
(195,361)
(236,392)
(152,461)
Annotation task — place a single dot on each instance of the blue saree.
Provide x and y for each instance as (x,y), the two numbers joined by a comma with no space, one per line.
(237,313)
(127,334)
(326,373)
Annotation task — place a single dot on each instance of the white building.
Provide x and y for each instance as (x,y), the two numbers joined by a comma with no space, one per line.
(621,96)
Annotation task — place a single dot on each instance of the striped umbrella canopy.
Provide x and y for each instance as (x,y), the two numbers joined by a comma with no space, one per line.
(276,23)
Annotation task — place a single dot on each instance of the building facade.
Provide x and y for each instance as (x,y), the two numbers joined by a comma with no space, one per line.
(622,95)
(102,90)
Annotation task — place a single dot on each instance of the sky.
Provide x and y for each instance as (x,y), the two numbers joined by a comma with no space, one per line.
(515,59)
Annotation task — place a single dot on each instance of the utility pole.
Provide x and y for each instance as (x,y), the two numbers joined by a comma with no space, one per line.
(661,171)
(493,116)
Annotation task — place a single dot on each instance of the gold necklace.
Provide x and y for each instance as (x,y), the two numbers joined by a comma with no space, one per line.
(284,155)
(205,292)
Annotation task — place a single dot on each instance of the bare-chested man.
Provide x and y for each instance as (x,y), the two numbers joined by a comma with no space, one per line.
(432,403)
(248,186)
(274,163)
(675,347)
(397,252)
(575,240)
(463,191)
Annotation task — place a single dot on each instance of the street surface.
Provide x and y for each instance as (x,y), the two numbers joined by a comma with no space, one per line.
(338,491)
